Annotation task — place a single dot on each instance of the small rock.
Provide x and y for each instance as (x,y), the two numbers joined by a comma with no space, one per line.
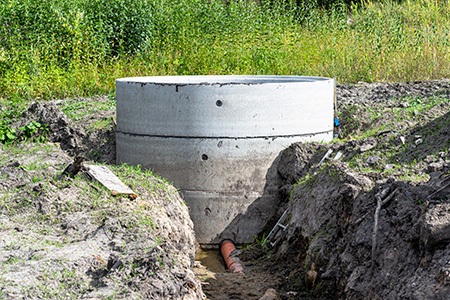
(443,276)
(270,294)
(14,164)
(113,262)
(389,167)
(435,166)
(435,226)
(197,264)
(370,144)
(372,160)
(429,159)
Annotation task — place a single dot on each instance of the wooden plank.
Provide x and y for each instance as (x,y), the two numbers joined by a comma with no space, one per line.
(107,178)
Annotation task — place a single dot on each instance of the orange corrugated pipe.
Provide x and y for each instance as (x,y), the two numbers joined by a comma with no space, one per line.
(227,248)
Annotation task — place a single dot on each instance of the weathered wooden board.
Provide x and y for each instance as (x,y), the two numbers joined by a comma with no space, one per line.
(107,178)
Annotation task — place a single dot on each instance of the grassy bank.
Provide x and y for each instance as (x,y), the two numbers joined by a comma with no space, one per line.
(52,49)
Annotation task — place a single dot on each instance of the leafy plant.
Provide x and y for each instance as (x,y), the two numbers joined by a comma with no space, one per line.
(7,134)
(34,131)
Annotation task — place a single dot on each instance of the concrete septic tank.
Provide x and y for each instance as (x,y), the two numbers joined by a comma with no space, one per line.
(216,138)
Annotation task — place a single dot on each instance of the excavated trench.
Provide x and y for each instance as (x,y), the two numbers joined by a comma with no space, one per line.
(331,248)
(333,213)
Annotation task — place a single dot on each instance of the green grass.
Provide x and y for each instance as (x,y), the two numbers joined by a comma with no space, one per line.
(77,109)
(55,49)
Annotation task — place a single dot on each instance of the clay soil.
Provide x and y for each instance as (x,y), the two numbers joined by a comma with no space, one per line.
(370,223)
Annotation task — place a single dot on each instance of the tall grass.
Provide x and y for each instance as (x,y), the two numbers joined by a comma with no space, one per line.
(58,48)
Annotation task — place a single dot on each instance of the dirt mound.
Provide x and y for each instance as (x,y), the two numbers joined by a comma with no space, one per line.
(338,250)
(69,238)
(375,222)
(370,93)
(61,130)
(74,138)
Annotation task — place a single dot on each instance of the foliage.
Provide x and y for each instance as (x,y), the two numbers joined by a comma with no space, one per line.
(7,114)
(124,27)
(34,131)
(7,134)
(53,49)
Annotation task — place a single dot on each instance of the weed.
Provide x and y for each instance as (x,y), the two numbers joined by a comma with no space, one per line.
(145,221)
(36,179)
(307,181)
(414,177)
(34,131)
(13,260)
(7,134)
(258,241)
(35,165)
(47,242)
(65,283)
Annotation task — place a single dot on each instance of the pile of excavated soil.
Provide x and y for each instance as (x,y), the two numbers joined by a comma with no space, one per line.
(66,237)
(341,245)
(366,231)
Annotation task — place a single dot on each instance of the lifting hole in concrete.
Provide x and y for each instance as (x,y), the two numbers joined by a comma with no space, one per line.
(207,211)
(219,103)
(204,157)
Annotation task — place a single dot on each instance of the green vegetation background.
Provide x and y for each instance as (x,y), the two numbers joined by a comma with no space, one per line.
(58,48)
